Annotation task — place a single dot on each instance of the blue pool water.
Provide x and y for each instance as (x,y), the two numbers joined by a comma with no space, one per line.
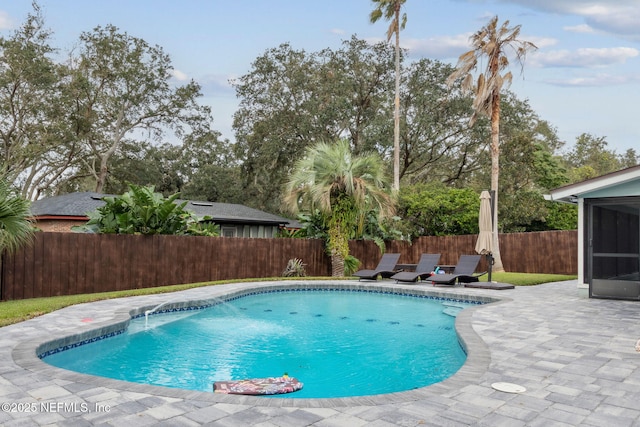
(337,343)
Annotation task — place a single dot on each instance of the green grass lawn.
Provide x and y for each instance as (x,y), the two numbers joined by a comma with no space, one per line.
(17,311)
(527,279)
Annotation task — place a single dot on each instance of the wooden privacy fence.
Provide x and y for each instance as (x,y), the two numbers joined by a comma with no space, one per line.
(71,263)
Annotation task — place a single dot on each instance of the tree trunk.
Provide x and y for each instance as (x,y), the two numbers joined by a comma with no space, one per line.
(102,178)
(396,112)
(337,265)
(495,175)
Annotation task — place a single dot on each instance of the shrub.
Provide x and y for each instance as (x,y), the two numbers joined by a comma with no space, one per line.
(295,268)
(143,211)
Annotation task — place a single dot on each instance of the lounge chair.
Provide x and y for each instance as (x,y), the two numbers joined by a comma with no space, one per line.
(462,273)
(386,268)
(424,269)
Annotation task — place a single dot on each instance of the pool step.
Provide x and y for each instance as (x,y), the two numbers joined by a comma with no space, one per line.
(452,309)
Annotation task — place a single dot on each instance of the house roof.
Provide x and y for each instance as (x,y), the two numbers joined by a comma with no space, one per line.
(78,205)
(621,183)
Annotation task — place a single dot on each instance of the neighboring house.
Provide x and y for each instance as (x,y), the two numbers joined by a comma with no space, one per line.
(608,232)
(60,213)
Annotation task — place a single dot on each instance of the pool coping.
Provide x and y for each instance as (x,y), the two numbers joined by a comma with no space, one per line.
(25,354)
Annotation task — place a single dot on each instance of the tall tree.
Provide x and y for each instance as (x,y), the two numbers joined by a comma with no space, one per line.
(36,146)
(209,170)
(529,167)
(123,90)
(292,99)
(494,43)
(629,158)
(272,125)
(590,157)
(344,188)
(436,143)
(390,9)
(356,82)
(145,164)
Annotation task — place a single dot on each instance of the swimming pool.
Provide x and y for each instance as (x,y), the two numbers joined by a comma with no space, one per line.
(340,343)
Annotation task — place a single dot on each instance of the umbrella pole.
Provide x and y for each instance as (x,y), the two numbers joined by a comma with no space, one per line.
(490,262)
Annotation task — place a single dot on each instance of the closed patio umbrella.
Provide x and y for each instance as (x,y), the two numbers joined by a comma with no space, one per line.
(484,245)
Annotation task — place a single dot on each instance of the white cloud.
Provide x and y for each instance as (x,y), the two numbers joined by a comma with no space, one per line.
(575,6)
(451,47)
(337,31)
(622,21)
(179,75)
(597,80)
(447,47)
(583,28)
(616,17)
(541,42)
(438,47)
(217,84)
(5,21)
(584,58)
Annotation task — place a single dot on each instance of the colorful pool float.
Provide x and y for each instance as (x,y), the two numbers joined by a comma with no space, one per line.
(258,386)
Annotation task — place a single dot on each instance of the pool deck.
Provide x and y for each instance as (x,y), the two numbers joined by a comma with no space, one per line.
(576,358)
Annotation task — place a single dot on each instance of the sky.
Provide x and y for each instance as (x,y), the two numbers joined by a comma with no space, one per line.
(583,78)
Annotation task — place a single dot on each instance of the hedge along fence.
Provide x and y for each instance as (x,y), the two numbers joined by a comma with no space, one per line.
(72,263)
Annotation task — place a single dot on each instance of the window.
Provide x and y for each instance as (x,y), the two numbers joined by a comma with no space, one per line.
(613,247)
(229,232)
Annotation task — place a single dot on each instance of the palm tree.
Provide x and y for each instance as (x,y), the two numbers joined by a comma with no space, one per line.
(15,228)
(344,188)
(390,9)
(492,42)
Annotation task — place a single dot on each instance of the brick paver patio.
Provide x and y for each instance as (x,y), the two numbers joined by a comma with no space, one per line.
(575,357)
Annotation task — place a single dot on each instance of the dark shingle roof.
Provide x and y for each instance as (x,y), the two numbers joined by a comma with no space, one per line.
(232,213)
(80,204)
(73,204)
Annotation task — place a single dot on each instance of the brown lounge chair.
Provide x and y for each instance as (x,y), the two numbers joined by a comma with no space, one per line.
(462,273)
(386,268)
(424,269)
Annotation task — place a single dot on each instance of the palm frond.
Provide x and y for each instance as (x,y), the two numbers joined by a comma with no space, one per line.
(16,229)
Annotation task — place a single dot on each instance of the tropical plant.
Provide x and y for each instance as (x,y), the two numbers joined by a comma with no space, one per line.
(143,211)
(351,265)
(294,268)
(202,227)
(343,188)
(390,9)
(15,228)
(492,42)
(314,226)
